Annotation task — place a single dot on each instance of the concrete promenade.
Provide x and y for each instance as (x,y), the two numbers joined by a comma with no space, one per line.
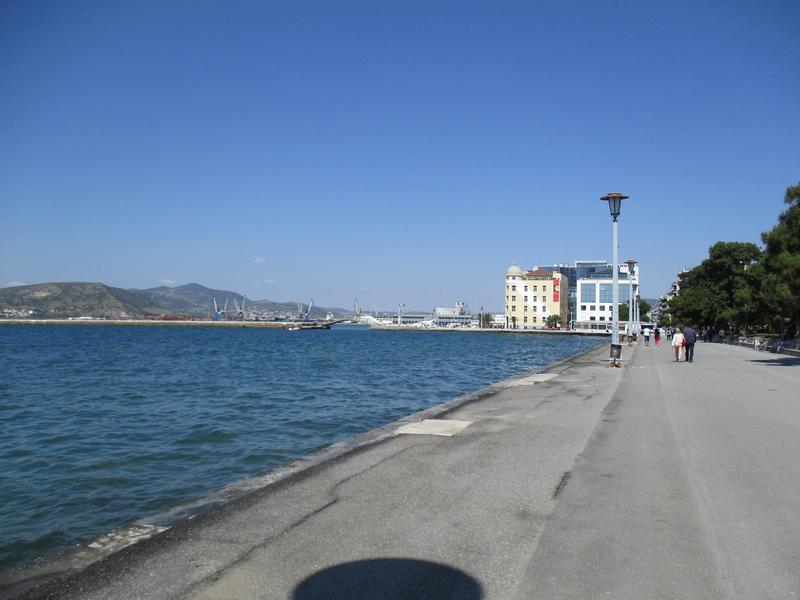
(658,480)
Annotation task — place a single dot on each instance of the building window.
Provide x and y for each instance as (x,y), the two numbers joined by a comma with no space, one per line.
(534,319)
(544,288)
(526,298)
(513,308)
(534,288)
(602,318)
(526,288)
(526,308)
(583,306)
(591,318)
(607,293)
(513,298)
(513,288)
(588,292)
(534,299)
(592,307)
(526,319)
(602,307)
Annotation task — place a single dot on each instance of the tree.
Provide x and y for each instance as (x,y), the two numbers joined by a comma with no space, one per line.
(719,292)
(644,310)
(486,320)
(553,321)
(623,312)
(780,279)
(513,322)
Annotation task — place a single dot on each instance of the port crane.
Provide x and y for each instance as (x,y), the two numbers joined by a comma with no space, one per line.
(239,309)
(219,313)
(304,315)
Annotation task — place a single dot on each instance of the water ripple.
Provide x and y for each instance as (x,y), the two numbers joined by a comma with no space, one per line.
(102,425)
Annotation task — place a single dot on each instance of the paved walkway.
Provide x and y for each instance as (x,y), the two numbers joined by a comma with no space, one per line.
(659,480)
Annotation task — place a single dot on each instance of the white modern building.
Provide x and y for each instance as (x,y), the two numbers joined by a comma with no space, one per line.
(594,296)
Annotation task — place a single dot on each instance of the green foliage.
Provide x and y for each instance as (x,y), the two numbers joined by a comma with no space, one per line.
(644,310)
(623,311)
(720,291)
(553,321)
(513,322)
(486,320)
(779,289)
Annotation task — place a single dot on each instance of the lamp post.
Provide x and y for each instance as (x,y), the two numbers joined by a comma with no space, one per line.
(633,306)
(614,200)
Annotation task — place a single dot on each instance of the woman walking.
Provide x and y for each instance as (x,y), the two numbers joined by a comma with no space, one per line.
(678,345)
(657,335)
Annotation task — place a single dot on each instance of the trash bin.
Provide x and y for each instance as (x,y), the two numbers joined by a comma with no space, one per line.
(616,351)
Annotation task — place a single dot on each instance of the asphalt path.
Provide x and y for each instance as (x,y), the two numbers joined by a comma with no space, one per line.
(658,480)
(688,488)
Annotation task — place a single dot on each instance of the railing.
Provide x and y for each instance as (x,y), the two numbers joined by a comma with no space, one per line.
(762,344)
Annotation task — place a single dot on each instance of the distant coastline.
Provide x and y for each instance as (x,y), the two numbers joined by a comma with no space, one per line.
(274,325)
(151,323)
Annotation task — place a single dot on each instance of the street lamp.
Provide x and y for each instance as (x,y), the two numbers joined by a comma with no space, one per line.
(633,306)
(614,200)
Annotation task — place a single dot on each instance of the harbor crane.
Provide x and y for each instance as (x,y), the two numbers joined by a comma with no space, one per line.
(308,311)
(239,309)
(218,314)
(304,315)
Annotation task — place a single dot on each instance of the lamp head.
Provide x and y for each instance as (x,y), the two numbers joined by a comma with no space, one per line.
(614,200)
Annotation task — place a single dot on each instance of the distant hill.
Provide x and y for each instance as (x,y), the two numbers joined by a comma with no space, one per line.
(196,299)
(62,300)
(192,299)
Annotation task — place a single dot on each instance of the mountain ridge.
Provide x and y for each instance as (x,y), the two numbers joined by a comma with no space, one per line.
(98,300)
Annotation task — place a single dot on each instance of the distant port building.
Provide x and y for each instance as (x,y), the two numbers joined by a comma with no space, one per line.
(585,298)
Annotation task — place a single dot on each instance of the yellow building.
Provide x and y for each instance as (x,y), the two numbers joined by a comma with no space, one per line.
(533,296)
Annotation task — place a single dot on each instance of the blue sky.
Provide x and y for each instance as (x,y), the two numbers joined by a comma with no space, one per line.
(390,151)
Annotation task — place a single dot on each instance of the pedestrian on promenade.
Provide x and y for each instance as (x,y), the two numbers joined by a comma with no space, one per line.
(646,334)
(677,345)
(690,336)
(657,335)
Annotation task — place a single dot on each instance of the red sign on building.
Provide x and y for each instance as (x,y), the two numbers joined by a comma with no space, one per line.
(556,289)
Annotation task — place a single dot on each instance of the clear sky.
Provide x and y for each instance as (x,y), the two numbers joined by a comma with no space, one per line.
(390,151)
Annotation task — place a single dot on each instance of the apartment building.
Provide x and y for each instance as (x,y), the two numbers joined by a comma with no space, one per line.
(534,295)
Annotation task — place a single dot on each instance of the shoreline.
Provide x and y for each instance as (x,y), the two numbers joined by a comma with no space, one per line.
(74,559)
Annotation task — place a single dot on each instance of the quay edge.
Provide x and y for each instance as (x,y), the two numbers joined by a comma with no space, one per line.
(36,579)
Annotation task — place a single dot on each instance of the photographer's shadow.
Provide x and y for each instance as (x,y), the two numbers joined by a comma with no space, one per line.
(389,579)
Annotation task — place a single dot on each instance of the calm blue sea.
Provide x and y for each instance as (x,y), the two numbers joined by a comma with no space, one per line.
(102,425)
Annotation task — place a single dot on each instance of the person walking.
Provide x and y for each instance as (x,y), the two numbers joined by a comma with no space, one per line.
(690,337)
(657,335)
(646,334)
(677,345)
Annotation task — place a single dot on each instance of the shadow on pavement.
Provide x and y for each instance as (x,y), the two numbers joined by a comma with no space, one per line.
(786,361)
(389,579)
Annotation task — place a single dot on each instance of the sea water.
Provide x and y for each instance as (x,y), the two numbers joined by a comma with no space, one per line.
(102,425)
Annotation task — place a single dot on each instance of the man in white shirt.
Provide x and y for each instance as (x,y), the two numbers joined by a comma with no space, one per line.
(646,334)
